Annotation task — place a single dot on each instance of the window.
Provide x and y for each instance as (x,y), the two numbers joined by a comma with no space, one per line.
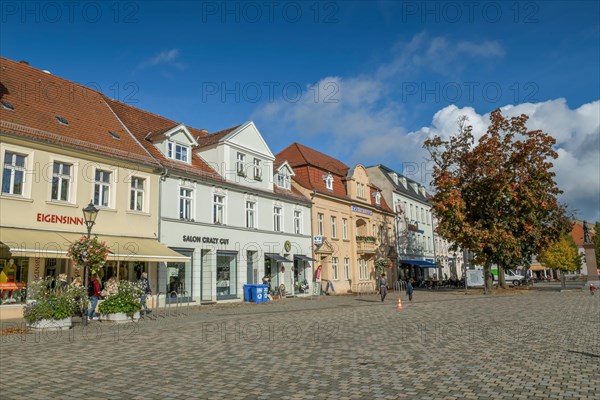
(277,219)
(360,190)
(7,105)
(328,181)
(429,243)
(13,176)
(334,268)
(218,209)
(250,214)
(297,222)
(412,213)
(62,120)
(136,199)
(333,227)
(344,228)
(257,170)
(320,224)
(377,198)
(423,215)
(185,203)
(241,159)
(102,188)
(346,268)
(283,181)
(180,153)
(226,282)
(363,269)
(61,179)
(374,231)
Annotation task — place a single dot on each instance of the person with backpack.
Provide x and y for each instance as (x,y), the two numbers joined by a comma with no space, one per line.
(94,295)
(143,281)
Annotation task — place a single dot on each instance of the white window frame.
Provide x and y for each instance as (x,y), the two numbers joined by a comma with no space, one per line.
(240,164)
(378,198)
(360,190)
(320,217)
(61,177)
(219,208)
(329,181)
(257,169)
(102,187)
(278,218)
(13,171)
(135,191)
(297,222)
(345,228)
(187,197)
(347,268)
(250,214)
(174,148)
(333,220)
(334,268)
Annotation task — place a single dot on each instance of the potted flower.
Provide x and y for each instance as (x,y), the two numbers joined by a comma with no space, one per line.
(89,251)
(381,265)
(122,304)
(52,308)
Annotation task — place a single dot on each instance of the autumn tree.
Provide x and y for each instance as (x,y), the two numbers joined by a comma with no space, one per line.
(562,255)
(497,197)
(596,240)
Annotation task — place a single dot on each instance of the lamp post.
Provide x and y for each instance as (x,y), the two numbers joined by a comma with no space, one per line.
(89,215)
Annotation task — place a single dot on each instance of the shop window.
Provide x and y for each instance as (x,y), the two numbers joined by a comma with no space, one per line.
(13,280)
(226,274)
(179,278)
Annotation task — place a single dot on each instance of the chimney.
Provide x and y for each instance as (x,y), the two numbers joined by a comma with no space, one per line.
(24,62)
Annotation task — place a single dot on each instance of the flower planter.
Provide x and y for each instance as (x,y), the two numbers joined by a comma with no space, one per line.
(52,324)
(120,317)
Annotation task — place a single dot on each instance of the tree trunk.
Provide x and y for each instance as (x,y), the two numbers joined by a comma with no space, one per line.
(487,277)
(563,280)
(501,277)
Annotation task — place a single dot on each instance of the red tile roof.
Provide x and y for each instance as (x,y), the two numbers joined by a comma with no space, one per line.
(38,98)
(213,138)
(298,155)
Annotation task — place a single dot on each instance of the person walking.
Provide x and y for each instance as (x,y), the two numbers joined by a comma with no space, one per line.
(383,286)
(94,294)
(143,281)
(409,289)
(318,288)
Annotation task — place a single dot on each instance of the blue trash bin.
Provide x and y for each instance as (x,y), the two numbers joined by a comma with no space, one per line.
(248,292)
(262,292)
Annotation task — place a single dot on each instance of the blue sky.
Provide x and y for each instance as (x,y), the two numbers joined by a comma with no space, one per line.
(362,81)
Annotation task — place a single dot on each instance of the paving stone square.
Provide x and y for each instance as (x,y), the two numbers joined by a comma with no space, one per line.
(442,345)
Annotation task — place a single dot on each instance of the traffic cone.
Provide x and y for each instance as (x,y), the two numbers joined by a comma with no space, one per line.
(399,306)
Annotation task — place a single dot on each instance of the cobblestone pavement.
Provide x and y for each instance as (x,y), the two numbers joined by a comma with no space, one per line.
(443,345)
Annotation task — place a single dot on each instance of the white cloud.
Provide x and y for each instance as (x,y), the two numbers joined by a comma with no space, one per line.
(364,121)
(167,57)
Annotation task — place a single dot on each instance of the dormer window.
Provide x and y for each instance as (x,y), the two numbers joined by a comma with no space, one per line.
(403,181)
(377,196)
(328,181)
(283,181)
(241,160)
(178,152)
(257,170)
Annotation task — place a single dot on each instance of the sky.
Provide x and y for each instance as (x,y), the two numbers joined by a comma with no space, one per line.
(363,81)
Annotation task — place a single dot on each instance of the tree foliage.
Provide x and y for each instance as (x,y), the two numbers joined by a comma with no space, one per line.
(562,255)
(497,197)
(596,240)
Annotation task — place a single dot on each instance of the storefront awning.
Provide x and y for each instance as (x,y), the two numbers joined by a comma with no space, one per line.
(53,244)
(278,258)
(303,258)
(537,267)
(419,263)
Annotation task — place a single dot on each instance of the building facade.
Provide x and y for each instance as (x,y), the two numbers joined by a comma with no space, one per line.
(58,154)
(351,223)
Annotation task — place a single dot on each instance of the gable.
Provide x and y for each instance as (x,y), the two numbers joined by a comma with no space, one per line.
(285,169)
(249,138)
(181,134)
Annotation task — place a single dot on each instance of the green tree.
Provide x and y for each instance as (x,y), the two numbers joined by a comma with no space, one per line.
(497,197)
(562,255)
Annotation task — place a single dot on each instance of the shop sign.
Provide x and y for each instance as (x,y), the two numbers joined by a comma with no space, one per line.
(362,210)
(204,239)
(59,219)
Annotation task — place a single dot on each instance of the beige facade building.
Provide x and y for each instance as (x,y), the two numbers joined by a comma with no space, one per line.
(351,223)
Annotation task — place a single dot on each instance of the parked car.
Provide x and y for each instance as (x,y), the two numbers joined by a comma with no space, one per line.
(510,276)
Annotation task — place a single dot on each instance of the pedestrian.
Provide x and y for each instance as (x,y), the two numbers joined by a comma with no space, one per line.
(592,289)
(383,286)
(145,285)
(94,295)
(329,285)
(318,288)
(409,289)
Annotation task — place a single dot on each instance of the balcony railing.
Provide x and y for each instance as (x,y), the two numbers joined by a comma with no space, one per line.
(365,244)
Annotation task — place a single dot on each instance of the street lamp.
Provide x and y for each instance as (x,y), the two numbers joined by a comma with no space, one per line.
(89,215)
